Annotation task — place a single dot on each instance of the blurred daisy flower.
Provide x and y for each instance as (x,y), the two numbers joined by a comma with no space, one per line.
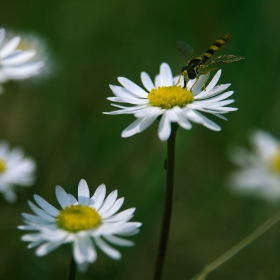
(85,222)
(173,103)
(15,63)
(15,170)
(259,172)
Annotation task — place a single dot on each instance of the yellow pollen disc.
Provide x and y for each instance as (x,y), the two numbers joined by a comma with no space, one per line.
(276,163)
(3,166)
(78,218)
(169,97)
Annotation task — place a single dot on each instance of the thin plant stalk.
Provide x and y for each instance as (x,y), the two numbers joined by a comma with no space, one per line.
(238,247)
(170,167)
(73,269)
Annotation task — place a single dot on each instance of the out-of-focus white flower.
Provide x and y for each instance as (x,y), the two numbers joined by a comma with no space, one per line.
(171,102)
(16,63)
(15,170)
(259,170)
(85,222)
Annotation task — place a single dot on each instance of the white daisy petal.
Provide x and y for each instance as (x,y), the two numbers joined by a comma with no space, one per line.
(97,199)
(148,112)
(46,206)
(178,80)
(146,81)
(26,228)
(18,58)
(190,84)
(215,91)
(184,122)
(166,78)
(220,97)
(83,193)
(126,229)
(258,173)
(2,36)
(35,244)
(31,237)
(62,197)
(265,144)
(196,89)
(129,110)
(9,195)
(193,116)
(54,236)
(83,250)
(47,248)
(9,47)
(208,123)
(17,64)
(132,87)
(211,125)
(126,96)
(121,217)
(109,202)
(115,99)
(158,81)
(41,213)
(137,107)
(72,199)
(118,241)
(108,250)
(16,169)
(214,81)
(117,205)
(34,219)
(138,126)
(164,128)
(220,116)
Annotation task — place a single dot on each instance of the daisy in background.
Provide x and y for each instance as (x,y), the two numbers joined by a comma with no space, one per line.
(259,170)
(84,223)
(16,64)
(15,170)
(173,103)
(33,41)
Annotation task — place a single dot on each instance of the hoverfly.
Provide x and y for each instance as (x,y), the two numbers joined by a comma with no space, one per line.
(197,65)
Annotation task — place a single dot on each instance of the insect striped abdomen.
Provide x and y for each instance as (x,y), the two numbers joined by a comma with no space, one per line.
(215,47)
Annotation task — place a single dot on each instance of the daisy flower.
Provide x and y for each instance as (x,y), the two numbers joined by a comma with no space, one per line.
(15,170)
(85,222)
(173,103)
(16,64)
(259,170)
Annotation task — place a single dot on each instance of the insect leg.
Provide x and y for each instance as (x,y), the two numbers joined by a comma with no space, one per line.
(196,80)
(179,80)
(186,78)
(204,72)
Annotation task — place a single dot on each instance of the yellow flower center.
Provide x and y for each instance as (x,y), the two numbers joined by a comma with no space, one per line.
(78,218)
(3,166)
(276,163)
(169,97)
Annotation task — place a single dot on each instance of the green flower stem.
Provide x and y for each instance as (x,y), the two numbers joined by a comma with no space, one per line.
(73,269)
(170,166)
(238,247)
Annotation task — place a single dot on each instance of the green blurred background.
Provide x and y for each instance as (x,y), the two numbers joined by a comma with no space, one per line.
(58,121)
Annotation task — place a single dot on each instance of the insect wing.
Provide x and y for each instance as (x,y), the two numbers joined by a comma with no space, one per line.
(185,49)
(226,58)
